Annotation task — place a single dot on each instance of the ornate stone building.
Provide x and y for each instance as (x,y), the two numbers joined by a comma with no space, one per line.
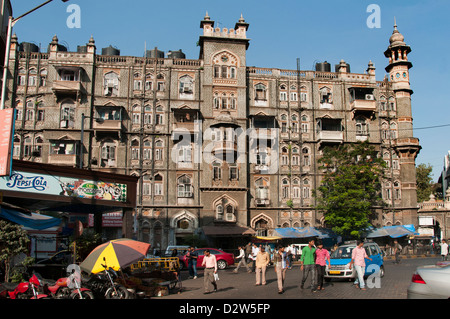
(222,149)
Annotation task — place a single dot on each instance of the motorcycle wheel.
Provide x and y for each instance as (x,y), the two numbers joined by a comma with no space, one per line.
(122,293)
(63,293)
(85,294)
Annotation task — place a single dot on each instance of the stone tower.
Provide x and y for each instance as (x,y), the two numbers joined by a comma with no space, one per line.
(405,145)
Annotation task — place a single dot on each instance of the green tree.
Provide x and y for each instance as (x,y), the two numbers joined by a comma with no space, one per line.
(351,187)
(13,241)
(424,182)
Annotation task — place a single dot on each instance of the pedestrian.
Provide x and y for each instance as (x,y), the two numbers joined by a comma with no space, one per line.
(444,250)
(253,254)
(210,264)
(262,260)
(192,257)
(397,251)
(307,265)
(322,256)
(279,260)
(358,258)
(242,260)
(289,256)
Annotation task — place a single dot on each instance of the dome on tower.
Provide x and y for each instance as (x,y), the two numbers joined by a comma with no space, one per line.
(396,38)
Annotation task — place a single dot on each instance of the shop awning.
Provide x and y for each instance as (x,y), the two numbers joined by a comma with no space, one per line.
(304,232)
(34,221)
(392,231)
(227,230)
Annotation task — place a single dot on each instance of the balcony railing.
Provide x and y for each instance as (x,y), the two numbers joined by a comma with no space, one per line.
(330,136)
(66,86)
(363,105)
(108,125)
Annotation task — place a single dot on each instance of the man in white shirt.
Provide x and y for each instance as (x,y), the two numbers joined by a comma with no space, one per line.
(255,251)
(242,261)
(444,249)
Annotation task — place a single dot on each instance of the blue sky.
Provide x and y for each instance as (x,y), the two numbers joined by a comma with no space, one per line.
(280,32)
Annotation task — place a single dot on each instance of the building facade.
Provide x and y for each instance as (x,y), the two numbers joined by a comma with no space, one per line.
(221,149)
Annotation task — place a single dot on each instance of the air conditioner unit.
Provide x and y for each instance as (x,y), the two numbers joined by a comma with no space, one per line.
(64,124)
(370,97)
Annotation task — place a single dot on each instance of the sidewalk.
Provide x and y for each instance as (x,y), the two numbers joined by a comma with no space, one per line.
(412,256)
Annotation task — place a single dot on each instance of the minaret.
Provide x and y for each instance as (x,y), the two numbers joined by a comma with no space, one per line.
(406,146)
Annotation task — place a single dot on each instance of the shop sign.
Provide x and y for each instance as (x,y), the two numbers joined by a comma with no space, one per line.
(63,186)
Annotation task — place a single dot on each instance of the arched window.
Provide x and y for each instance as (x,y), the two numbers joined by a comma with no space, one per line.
(260,92)
(285,188)
(186,85)
(108,153)
(111,84)
(362,128)
(158,185)
(67,114)
(184,185)
(135,149)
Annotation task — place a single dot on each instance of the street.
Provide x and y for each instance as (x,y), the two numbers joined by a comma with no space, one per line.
(242,285)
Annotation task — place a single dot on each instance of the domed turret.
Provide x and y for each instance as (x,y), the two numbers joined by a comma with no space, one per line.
(396,38)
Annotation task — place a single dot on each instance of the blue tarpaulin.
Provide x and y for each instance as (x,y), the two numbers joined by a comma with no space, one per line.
(392,231)
(34,221)
(304,232)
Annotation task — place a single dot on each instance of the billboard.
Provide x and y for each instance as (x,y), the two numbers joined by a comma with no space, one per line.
(63,186)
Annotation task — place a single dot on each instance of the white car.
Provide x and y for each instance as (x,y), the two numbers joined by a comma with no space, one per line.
(431,282)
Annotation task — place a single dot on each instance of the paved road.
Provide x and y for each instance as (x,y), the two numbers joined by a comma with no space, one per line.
(241,286)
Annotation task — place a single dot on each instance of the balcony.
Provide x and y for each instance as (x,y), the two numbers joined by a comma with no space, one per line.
(180,127)
(108,125)
(66,87)
(225,147)
(330,136)
(363,105)
(68,80)
(63,159)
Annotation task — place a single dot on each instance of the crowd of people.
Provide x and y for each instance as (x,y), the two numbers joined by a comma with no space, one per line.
(313,260)
(256,259)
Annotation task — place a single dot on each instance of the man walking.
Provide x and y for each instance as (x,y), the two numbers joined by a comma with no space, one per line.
(444,250)
(191,257)
(322,256)
(307,265)
(279,260)
(210,264)
(397,251)
(262,260)
(358,258)
(242,261)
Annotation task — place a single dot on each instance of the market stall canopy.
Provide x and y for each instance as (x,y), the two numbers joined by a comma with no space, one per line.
(392,231)
(33,220)
(227,230)
(304,232)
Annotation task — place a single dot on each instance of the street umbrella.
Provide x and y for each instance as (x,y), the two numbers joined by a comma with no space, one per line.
(117,254)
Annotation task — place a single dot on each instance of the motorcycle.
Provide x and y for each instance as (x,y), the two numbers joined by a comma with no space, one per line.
(102,285)
(23,290)
(67,288)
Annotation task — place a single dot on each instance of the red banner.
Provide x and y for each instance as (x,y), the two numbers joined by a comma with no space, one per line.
(6,136)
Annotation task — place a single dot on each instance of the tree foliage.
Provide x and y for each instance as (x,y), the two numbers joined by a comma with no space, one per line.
(350,188)
(13,241)
(424,182)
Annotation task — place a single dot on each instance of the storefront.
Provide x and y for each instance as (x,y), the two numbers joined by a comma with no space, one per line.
(97,199)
